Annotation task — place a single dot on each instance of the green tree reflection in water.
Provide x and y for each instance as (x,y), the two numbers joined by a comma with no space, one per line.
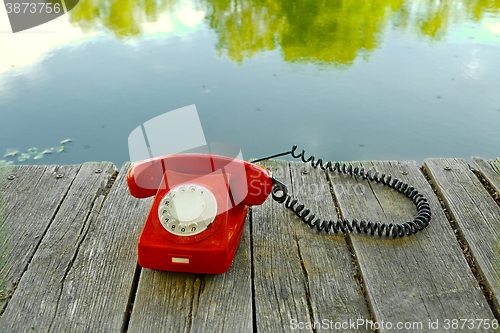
(123,17)
(334,32)
(324,31)
(246,27)
(331,32)
(432,19)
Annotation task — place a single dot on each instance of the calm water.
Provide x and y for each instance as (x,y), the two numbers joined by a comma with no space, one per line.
(346,80)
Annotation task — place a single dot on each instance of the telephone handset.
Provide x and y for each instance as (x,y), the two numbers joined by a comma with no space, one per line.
(199,210)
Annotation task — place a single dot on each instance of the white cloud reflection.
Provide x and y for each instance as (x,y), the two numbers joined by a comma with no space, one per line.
(23,49)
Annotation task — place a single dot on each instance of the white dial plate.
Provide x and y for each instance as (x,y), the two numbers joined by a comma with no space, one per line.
(187,209)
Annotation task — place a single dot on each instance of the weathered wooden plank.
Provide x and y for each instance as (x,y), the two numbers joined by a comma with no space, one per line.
(36,300)
(29,200)
(97,286)
(413,279)
(476,216)
(182,302)
(78,274)
(491,171)
(302,279)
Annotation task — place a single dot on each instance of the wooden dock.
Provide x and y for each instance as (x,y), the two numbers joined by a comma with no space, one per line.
(68,256)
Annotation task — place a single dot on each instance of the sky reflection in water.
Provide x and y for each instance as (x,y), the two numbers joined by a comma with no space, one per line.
(346,80)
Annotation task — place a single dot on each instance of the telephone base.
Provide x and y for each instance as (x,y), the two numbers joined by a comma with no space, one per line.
(212,257)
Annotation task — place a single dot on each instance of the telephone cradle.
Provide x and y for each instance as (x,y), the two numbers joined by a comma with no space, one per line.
(199,209)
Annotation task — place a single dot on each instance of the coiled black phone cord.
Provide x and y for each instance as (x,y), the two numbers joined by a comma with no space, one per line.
(395,230)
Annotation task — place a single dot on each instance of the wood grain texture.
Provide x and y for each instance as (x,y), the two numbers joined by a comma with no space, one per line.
(68,256)
(28,204)
(491,171)
(300,275)
(475,213)
(413,279)
(183,302)
(36,300)
(95,292)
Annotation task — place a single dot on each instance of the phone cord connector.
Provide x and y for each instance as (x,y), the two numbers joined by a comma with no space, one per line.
(418,223)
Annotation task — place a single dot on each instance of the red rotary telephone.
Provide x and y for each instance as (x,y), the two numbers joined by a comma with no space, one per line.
(199,210)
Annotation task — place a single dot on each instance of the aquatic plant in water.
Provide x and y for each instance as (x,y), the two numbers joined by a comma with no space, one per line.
(5,162)
(23,157)
(32,151)
(11,153)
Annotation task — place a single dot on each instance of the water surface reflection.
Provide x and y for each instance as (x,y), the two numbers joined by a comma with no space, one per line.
(347,80)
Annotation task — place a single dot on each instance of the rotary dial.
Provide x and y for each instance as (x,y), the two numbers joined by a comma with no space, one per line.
(187,209)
